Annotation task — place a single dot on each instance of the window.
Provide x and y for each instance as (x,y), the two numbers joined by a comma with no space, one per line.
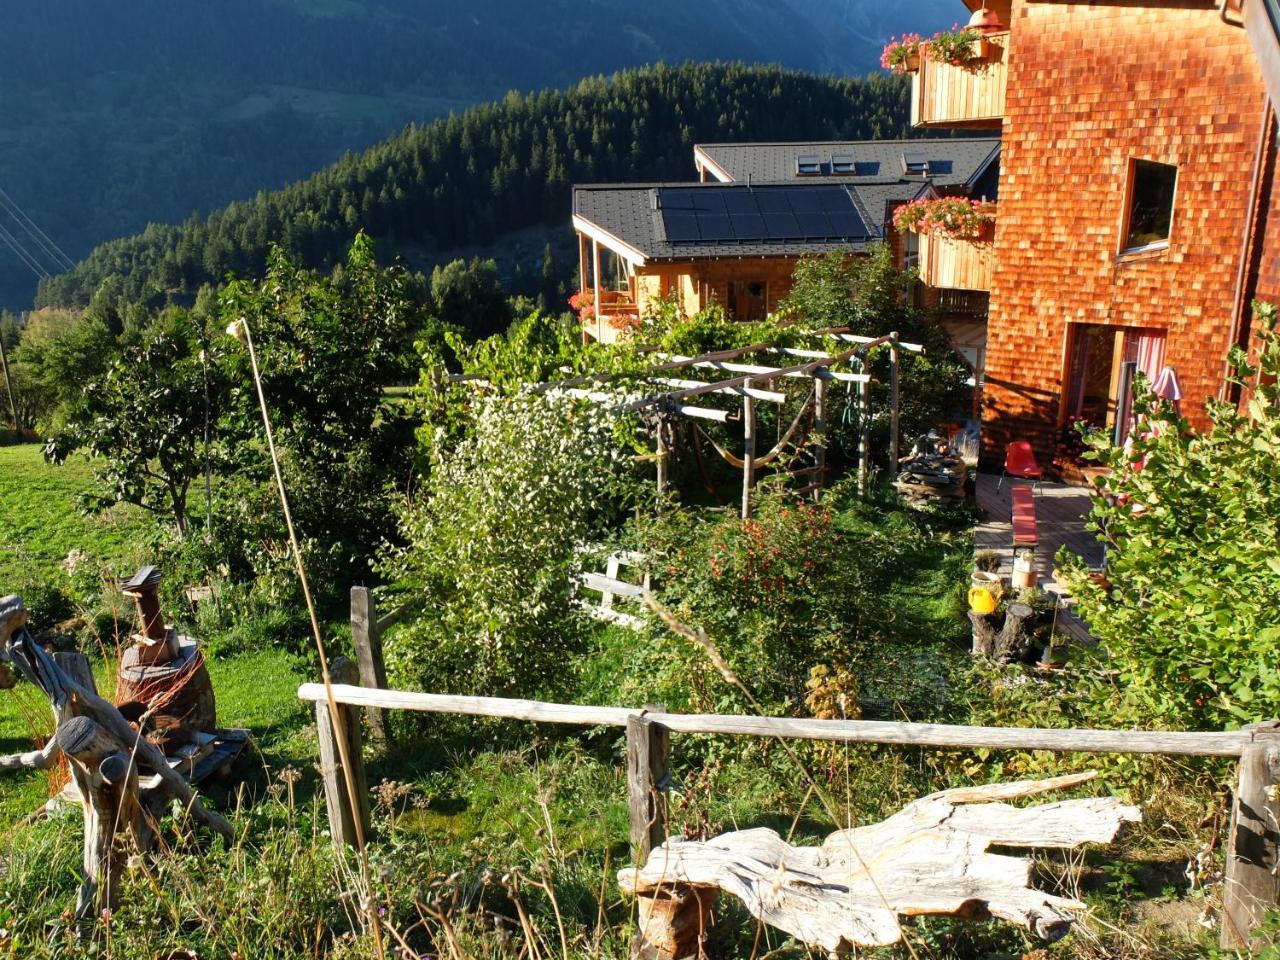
(915,163)
(808,165)
(1101,362)
(1150,214)
(843,163)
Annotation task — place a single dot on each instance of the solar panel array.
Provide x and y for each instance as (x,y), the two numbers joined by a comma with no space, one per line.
(760,215)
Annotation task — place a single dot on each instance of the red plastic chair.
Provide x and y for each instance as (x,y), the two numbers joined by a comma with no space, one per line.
(1020,461)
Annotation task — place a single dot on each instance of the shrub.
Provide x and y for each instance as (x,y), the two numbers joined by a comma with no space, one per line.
(491,541)
(1189,615)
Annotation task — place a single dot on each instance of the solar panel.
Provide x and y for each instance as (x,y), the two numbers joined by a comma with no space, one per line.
(680,227)
(781,226)
(739,214)
(716,227)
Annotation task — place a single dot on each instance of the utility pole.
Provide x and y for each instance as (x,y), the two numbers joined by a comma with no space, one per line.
(8,384)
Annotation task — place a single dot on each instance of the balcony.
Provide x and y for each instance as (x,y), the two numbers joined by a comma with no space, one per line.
(968,96)
(948,263)
(618,315)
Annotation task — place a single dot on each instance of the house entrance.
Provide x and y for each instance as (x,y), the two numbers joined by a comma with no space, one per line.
(1101,362)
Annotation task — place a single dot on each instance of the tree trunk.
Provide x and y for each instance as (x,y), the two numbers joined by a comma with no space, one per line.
(984,633)
(1014,640)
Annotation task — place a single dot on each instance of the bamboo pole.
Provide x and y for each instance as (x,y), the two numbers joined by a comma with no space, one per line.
(895,356)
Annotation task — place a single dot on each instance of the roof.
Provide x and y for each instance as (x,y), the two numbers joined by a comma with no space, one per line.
(630,220)
(953,162)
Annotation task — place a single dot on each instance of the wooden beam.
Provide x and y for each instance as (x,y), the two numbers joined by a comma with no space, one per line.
(864,437)
(894,404)
(820,431)
(595,280)
(760,372)
(768,396)
(1188,744)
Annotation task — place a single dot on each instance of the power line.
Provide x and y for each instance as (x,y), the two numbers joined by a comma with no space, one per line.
(42,239)
(23,254)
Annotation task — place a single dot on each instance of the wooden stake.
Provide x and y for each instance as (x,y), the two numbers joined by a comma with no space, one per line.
(595,280)
(662,459)
(342,819)
(648,748)
(367,637)
(1250,888)
(748,451)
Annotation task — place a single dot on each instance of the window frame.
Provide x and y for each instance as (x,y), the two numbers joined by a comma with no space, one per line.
(1126,212)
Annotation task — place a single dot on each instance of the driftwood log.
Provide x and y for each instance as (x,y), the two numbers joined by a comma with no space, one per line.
(105,754)
(930,858)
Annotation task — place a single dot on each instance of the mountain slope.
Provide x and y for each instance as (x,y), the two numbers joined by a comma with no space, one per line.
(496,168)
(116,115)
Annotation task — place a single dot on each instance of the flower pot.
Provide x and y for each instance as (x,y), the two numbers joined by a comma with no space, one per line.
(912,64)
(985,591)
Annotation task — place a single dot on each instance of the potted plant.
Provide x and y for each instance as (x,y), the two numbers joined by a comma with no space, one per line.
(902,55)
(958,218)
(959,46)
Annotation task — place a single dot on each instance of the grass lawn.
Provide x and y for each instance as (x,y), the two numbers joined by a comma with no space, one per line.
(40,521)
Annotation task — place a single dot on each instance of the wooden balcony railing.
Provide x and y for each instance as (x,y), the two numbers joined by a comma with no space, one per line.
(943,95)
(952,264)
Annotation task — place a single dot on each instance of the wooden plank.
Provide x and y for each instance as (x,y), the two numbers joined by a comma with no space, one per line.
(815,369)
(607,584)
(895,359)
(1191,744)
(769,396)
(820,432)
(1250,888)
(648,746)
(366,636)
(342,818)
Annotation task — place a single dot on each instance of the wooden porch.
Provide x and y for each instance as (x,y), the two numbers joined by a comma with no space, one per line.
(969,95)
(1061,510)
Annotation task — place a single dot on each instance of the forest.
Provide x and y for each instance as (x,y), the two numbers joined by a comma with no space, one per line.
(120,115)
(471,177)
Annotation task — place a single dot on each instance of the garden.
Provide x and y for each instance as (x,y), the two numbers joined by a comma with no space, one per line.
(472,502)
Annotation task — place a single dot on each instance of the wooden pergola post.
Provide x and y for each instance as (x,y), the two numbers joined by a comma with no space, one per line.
(1250,888)
(864,430)
(748,450)
(595,280)
(662,460)
(820,430)
(895,356)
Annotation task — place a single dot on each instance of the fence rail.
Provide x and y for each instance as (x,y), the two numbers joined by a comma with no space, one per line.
(1250,885)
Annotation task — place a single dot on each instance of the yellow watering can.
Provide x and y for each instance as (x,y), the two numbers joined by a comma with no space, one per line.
(982,600)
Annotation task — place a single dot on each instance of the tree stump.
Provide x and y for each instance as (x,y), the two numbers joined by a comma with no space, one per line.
(984,633)
(1014,640)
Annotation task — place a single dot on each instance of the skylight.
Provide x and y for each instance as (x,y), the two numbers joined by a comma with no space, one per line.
(808,165)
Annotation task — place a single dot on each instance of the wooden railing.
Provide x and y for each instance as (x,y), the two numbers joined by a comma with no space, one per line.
(1249,888)
(947,263)
(944,95)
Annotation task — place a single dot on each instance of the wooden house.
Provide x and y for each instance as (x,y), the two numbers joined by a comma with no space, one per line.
(1137,215)
(734,237)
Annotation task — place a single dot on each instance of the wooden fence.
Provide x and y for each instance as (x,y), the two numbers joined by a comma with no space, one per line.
(1250,885)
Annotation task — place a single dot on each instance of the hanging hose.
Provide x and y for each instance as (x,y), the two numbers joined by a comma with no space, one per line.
(761,461)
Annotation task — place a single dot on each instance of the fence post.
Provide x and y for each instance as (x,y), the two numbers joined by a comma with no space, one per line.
(1250,887)
(342,828)
(648,749)
(895,360)
(367,637)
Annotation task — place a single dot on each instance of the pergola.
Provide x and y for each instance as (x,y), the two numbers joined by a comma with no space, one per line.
(751,382)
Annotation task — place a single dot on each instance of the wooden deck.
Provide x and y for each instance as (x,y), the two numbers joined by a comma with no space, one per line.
(1060,516)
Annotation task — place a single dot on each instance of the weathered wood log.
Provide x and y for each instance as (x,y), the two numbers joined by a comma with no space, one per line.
(984,633)
(648,746)
(930,858)
(366,636)
(112,810)
(1014,640)
(1250,887)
